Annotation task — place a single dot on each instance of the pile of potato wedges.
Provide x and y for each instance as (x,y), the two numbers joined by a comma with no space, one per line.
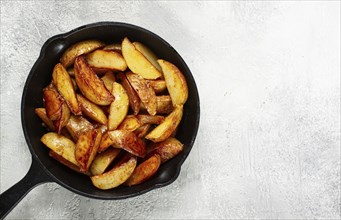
(112,111)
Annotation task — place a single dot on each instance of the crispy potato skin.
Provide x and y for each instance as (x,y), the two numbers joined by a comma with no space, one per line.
(167,127)
(92,110)
(105,142)
(118,108)
(114,47)
(78,125)
(142,131)
(104,59)
(67,163)
(53,102)
(144,91)
(90,85)
(167,149)
(144,170)
(103,160)
(128,141)
(150,119)
(62,81)
(175,82)
(117,175)
(158,85)
(134,100)
(64,118)
(164,104)
(138,63)
(86,148)
(130,123)
(77,49)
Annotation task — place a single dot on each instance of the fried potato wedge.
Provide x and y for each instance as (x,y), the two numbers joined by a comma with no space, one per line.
(105,142)
(128,141)
(119,107)
(130,123)
(138,63)
(103,160)
(53,102)
(158,85)
(64,118)
(86,148)
(164,104)
(114,47)
(168,149)
(134,100)
(167,127)
(63,83)
(83,47)
(142,131)
(175,82)
(92,110)
(106,60)
(77,125)
(116,176)
(147,53)
(61,146)
(108,79)
(144,91)
(67,163)
(90,85)
(144,170)
(150,119)
(41,112)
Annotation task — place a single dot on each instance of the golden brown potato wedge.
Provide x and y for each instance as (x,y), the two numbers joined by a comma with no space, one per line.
(150,119)
(117,175)
(175,82)
(114,47)
(106,60)
(77,49)
(92,110)
(63,83)
(158,85)
(105,142)
(144,170)
(142,131)
(108,79)
(138,63)
(144,91)
(53,102)
(167,127)
(119,107)
(147,53)
(130,123)
(164,104)
(168,149)
(64,118)
(128,141)
(61,146)
(103,160)
(86,148)
(90,85)
(134,100)
(67,163)
(41,112)
(78,125)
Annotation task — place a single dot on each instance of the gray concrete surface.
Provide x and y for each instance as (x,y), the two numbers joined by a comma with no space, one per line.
(268,74)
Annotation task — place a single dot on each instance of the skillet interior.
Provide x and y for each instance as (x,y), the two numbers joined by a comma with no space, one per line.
(40,76)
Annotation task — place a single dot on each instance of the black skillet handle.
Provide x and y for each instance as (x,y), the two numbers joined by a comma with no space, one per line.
(11,197)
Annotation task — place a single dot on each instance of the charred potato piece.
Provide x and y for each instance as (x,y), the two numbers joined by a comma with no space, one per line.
(138,63)
(134,100)
(108,79)
(62,81)
(83,47)
(78,125)
(128,141)
(119,107)
(53,102)
(106,60)
(167,127)
(103,160)
(144,91)
(61,146)
(147,53)
(168,149)
(92,110)
(144,170)
(90,85)
(130,123)
(117,175)
(175,82)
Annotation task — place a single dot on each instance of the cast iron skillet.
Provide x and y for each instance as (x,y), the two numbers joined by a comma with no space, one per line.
(44,168)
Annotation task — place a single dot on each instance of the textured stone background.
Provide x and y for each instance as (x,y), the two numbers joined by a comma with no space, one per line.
(268,74)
